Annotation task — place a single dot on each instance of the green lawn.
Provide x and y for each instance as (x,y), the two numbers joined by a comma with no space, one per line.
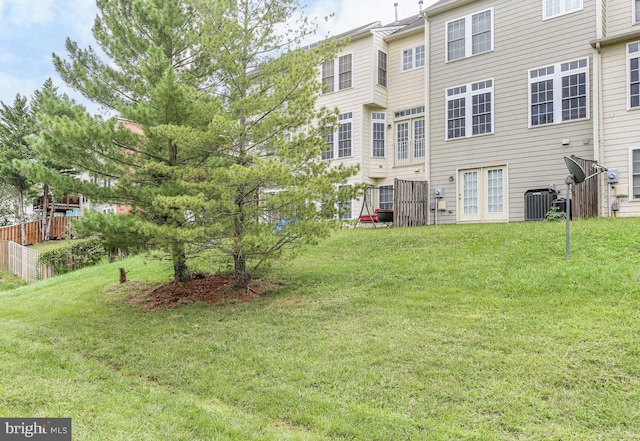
(471,332)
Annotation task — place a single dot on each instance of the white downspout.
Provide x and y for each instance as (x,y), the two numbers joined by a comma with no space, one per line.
(427,112)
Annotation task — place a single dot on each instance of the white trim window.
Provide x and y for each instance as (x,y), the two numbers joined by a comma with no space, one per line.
(338,144)
(410,142)
(413,58)
(555,8)
(633,75)
(469,105)
(559,93)
(634,174)
(469,35)
(636,11)
(385,201)
(377,134)
(345,208)
(337,76)
(382,68)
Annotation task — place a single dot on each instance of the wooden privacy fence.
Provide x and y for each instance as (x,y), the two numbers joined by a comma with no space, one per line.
(22,262)
(584,196)
(410,203)
(34,231)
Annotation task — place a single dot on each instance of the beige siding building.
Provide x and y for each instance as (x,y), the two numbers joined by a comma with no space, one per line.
(378,82)
(617,51)
(509,95)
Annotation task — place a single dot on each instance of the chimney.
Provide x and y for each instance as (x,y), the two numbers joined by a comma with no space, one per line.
(420,3)
(396,6)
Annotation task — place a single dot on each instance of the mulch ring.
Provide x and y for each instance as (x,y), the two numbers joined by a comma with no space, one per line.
(210,290)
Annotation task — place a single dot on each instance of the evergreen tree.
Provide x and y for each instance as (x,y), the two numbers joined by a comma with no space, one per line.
(272,132)
(217,110)
(17,123)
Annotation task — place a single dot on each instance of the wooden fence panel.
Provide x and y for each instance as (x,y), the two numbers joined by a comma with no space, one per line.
(59,227)
(584,196)
(22,261)
(411,203)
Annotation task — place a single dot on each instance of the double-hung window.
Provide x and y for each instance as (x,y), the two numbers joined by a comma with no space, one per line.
(382,68)
(470,110)
(634,172)
(337,74)
(338,144)
(345,207)
(469,35)
(413,58)
(410,137)
(554,8)
(377,134)
(559,93)
(386,197)
(636,11)
(633,57)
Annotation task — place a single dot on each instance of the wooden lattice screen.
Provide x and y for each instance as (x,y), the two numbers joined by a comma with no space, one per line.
(410,203)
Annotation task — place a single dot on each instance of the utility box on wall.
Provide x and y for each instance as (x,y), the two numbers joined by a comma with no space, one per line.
(537,203)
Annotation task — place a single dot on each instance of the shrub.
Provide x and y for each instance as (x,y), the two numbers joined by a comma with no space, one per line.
(76,255)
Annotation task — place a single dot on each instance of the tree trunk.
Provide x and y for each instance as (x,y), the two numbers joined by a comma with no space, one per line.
(242,275)
(45,212)
(180,269)
(23,228)
(47,230)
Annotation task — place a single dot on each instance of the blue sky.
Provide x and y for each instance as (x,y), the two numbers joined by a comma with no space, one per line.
(31,30)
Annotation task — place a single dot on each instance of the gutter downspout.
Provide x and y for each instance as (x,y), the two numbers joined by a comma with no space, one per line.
(598,153)
(427,112)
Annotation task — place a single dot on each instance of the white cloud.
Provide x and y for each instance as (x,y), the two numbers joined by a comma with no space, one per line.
(350,14)
(29,12)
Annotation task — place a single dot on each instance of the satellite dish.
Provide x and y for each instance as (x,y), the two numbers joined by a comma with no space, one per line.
(577,172)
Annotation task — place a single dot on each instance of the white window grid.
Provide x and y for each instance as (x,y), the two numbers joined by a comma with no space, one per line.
(470,192)
(382,68)
(469,106)
(410,142)
(555,8)
(634,174)
(559,93)
(636,11)
(413,58)
(338,75)
(386,197)
(469,35)
(633,75)
(339,144)
(378,134)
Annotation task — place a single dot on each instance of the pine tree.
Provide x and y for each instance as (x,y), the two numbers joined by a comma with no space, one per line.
(17,124)
(217,130)
(273,133)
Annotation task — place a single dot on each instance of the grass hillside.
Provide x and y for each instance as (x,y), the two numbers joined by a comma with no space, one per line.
(470,332)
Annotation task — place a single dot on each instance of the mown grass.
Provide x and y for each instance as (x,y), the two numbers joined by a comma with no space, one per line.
(478,332)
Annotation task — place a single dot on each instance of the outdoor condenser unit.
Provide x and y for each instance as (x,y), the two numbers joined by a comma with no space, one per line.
(537,203)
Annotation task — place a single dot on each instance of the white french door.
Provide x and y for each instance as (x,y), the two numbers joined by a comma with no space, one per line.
(482,195)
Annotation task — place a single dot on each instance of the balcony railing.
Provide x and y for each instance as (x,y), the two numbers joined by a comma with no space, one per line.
(409,153)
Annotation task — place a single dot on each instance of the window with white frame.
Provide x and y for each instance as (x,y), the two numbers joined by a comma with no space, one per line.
(337,75)
(636,11)
(634,167)
(338,144)
(469,110)
(345,208)
(469,35)
(554,8)
(386,197)
(413,58)
(633,56)
(559,93)
(377,134)
(382,68)
(410,141)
